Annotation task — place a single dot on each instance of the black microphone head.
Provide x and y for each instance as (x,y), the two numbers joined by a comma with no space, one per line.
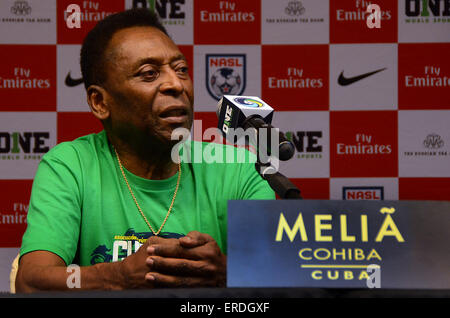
(232,111)
(286,150)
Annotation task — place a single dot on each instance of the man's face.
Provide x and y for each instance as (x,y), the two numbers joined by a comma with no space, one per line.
(150,91)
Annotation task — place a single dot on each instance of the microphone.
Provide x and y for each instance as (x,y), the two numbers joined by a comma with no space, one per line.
(246,112)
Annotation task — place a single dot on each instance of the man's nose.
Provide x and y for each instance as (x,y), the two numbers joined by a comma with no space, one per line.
(171,83)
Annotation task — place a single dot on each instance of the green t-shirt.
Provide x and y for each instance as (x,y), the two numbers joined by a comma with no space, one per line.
(81,208)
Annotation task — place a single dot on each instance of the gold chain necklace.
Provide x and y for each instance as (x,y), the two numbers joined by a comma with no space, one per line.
(137,204)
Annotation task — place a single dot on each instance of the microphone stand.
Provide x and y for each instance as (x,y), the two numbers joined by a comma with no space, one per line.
(277,181)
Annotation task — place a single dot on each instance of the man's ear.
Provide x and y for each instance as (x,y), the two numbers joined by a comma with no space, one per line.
(96,98)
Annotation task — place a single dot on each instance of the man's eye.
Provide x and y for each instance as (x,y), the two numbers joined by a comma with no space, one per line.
(183,70)
(149,75)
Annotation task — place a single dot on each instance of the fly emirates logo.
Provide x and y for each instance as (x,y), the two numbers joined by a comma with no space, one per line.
(294,78)
(22,78)
(364,145)
(227,13)
(359,12)
(90,12)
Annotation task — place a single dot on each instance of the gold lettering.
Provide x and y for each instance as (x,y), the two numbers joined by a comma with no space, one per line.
(388,228)
(317,251)
(364,230)
(363,275)
(348,275)
(319,226)
(344,236)
(300,253)
(342,254)
(333,277)
(317,275)
(373,254)
(359,254)
(299,226)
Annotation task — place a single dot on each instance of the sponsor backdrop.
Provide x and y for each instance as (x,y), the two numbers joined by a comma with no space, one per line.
(367,108)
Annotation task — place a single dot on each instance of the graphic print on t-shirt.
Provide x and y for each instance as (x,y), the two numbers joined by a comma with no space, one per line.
(125,245)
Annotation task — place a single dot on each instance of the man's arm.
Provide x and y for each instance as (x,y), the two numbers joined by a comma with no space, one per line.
(43,270)
(194,260)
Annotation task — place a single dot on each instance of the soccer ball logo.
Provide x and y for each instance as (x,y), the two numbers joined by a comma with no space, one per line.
(225,81)
(225,74)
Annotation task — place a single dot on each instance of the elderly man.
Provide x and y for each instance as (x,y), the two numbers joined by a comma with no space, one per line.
(115,203)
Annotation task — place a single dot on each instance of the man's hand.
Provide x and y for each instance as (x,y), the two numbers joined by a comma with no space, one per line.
(193,260)
(133,269)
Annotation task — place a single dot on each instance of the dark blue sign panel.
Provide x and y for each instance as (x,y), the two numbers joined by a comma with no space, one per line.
(339,244)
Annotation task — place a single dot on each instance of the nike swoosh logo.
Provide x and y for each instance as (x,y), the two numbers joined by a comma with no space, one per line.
(73,82)
(344,81)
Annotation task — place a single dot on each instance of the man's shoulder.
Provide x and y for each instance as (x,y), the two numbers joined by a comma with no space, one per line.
(82,147)
(83,143)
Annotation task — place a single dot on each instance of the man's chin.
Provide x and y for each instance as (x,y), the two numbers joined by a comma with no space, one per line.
(176,126)
(175,134)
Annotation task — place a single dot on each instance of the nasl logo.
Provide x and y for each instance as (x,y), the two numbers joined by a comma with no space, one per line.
(225,74)
(363,193)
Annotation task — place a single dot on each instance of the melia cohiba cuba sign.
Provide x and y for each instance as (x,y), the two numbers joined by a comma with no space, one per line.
(354,244)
